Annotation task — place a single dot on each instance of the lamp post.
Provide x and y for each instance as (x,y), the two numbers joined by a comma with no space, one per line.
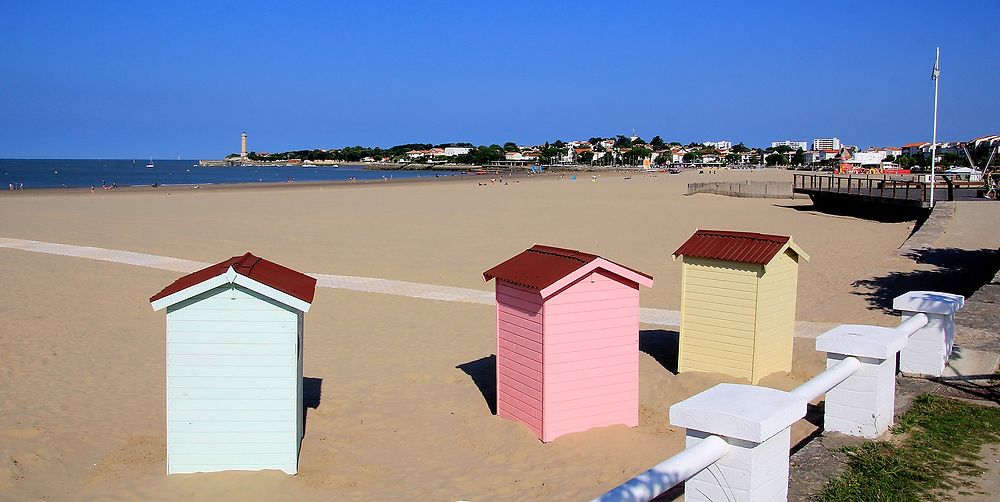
(935,73)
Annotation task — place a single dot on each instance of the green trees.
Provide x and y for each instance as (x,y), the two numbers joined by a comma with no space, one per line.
(740,148)
(690,157)
(510,146)
(656,142)
(799,157)
(776,159)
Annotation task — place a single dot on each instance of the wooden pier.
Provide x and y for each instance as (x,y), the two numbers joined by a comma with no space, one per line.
(884,190)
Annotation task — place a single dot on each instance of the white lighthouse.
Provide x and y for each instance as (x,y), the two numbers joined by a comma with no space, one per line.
(243,145)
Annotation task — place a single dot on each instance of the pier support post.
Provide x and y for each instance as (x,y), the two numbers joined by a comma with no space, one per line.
(929,348)
(756,422)
(863,404)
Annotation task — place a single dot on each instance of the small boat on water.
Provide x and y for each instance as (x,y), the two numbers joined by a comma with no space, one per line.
(150,165)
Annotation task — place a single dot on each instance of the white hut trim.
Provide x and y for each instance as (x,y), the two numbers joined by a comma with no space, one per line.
(601,263)
(231,277)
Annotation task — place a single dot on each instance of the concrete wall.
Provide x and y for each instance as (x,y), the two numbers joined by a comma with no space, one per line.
(752,189)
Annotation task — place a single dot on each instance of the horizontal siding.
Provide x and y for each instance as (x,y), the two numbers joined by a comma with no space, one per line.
(230,338)
(519,355)
(225,394)
(192,347)
(591,355)
(227,415)
(242,360)
(519,303)
(589,315)
(223,327)
(561,371)
(618,301)
(776,317)
(601,324)
(735,355)
(230,371)
(234,405)
(508,310)
(232,384)
(223,461)
(233,439)
(525,294)
(613,339)
(223,382)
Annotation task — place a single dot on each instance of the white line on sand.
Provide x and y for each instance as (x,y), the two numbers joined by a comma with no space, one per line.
(367,284)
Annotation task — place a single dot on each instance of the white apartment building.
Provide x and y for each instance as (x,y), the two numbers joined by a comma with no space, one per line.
(451,151)
(794,145)
(721,145)
(826,144)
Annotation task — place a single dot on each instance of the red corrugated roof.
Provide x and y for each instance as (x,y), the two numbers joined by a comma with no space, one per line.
(542,266)
(283,279)
(742,247)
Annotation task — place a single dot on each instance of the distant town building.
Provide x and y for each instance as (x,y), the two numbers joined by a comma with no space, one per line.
(721,145)
(794,145)
(826,144)
(451,151)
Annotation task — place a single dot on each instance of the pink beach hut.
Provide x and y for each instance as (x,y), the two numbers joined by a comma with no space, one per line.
(567,341)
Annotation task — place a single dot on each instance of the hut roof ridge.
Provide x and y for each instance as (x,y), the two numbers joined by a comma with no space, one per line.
(540,266)
(268,273)
(743,247)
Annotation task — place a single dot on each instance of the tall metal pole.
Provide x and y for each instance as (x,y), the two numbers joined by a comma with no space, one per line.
(934,75)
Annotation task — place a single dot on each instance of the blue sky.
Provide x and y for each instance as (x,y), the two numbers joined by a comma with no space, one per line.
(168,79)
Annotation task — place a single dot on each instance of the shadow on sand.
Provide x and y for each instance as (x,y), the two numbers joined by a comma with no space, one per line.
(661,345)
(483,372)
(881,213)
(312,391)
(956,271)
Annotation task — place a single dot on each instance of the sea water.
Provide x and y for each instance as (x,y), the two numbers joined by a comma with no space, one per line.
(69,173)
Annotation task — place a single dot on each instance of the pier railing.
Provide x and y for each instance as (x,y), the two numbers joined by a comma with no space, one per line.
(737,434)
(884,188)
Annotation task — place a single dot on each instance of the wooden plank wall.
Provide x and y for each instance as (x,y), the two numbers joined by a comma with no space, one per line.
(591,355)
(232,383)
(775,316)
(718,317)
(519,355)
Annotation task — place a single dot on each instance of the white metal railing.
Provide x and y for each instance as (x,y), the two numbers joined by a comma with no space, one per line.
(823,382)
(669,473)
(691,461)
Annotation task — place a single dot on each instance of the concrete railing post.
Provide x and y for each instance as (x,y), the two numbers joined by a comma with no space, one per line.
(864,403)
(755,421)
(929,348)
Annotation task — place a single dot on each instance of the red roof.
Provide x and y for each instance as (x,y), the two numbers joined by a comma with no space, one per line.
(542,266)
(283,279)
(742,247)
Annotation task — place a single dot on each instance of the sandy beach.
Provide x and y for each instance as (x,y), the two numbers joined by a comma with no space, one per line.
(396,411)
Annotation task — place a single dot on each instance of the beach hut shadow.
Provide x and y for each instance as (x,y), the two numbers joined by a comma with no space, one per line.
(483,372)
(312,392)
(661,345)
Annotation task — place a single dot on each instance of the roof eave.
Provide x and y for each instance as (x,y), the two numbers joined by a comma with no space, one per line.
(230,276)
(610,266)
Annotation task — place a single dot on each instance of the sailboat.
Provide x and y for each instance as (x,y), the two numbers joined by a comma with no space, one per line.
(150,165)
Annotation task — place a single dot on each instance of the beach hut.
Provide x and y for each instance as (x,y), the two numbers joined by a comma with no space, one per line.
(738,303)
(567,341)
(234,366)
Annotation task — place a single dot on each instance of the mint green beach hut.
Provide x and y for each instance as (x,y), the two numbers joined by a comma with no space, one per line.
(234,366)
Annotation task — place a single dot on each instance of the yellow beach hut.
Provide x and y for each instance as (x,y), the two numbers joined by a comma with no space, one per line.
(738,303)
